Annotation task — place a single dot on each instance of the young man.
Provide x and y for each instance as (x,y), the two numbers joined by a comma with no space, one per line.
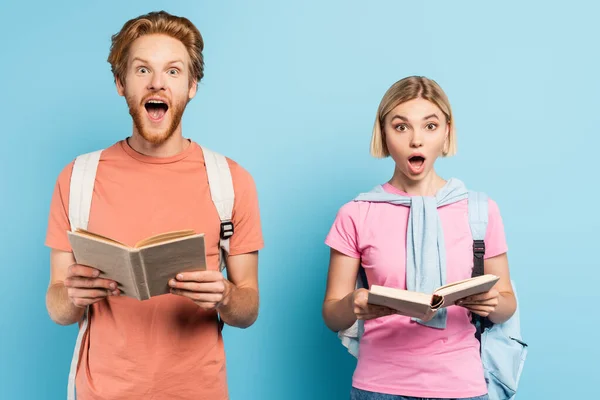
(170,346)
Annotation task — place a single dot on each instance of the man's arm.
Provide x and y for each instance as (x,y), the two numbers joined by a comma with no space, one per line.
(73,287)
(240,306)
(60,308)
(236,298)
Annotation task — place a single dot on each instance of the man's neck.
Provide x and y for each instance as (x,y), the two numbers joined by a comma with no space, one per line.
(172,146)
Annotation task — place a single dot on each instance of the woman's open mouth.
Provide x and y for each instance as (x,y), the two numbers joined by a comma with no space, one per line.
(416,163)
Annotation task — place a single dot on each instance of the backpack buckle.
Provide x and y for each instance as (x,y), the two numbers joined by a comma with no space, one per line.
(226,229)
(478,248)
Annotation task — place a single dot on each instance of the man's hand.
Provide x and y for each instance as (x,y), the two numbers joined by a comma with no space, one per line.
(364,310)
(481,304)
(208,289)
(85,288)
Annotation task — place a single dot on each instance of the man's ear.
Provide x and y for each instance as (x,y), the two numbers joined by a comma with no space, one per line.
(193,90)
(120,87)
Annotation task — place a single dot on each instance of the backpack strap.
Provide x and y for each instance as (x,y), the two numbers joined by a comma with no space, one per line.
(478,221)
(81,190)
(221,191)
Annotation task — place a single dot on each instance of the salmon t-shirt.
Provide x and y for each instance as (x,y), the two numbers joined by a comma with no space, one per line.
(165,347)
(397,355)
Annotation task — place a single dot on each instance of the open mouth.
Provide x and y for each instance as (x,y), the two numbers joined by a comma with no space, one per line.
(156,109)
(416,163)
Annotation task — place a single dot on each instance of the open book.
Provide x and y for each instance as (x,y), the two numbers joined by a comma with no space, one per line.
(144,270)
(424,306)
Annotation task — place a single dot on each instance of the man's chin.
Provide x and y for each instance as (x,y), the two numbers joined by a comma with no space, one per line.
(154,137)
(156,133)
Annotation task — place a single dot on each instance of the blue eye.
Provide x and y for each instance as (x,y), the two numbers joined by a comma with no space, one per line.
(142,70)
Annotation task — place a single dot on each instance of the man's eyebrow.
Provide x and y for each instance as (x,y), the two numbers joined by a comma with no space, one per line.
(140,60)
(178,60)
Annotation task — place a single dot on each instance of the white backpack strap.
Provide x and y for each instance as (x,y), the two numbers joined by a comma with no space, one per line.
(80,201)
(221,191)
(82,188)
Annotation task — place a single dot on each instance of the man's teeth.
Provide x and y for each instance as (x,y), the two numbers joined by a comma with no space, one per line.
(156,102)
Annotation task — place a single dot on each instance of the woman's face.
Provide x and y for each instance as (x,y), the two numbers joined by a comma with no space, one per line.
(415,134)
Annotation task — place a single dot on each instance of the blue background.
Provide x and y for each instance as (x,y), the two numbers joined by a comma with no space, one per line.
(290,92)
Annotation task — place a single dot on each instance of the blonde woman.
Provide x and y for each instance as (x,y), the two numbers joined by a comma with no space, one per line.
(418,243)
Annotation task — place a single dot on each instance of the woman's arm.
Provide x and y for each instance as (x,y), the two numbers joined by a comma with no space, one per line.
(343,305)
(499,304)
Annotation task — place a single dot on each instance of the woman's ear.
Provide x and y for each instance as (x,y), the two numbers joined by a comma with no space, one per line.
(446,146)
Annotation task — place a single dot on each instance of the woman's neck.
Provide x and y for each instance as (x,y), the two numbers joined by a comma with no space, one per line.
(426,186)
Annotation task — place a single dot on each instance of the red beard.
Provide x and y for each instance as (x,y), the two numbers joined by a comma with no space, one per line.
(139,114)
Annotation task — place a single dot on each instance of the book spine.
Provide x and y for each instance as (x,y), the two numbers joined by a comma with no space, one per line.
(139,273)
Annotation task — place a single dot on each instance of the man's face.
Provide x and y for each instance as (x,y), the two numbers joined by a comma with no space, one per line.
(157,86)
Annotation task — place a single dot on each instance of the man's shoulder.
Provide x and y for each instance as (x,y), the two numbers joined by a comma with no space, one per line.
(238,172)
(103,151)
(64,175)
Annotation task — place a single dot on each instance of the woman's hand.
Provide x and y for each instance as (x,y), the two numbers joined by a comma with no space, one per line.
(481,304)
(363,310)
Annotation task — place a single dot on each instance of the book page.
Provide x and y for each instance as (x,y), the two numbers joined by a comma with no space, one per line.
(165,260)
(163,237)
(468,287)
(412,304)
(96,236)
(113,260)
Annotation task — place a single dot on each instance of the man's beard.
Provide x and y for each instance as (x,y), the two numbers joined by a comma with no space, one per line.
(138,115)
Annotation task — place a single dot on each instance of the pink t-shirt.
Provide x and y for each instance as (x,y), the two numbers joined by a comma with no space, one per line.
(398,356)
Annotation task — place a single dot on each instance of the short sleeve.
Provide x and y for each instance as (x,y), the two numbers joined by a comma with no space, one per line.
(343,235)
(247,236)
(58,219)
(495,240)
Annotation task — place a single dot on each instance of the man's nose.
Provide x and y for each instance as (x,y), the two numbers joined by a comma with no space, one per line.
(157,82)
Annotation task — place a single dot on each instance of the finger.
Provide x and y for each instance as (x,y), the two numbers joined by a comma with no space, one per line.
(83,302)
(199,276)
(491,302)
(376,312)
(382,310)
(204,287)
(493,293)
(206,305)
(361,299)
(199,297)
(90,283)
(86,301)
(481,310)
(82,270)
(374,315)
(87,293)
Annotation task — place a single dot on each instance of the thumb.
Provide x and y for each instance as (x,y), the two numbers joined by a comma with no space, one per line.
(361,298)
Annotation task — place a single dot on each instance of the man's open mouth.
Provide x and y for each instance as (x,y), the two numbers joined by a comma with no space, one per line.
(156,109)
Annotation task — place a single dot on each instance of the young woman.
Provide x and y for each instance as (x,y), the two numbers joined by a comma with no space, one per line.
(401,357)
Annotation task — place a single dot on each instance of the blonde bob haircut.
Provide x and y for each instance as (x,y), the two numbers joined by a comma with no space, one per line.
(410,88)
(157,22)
